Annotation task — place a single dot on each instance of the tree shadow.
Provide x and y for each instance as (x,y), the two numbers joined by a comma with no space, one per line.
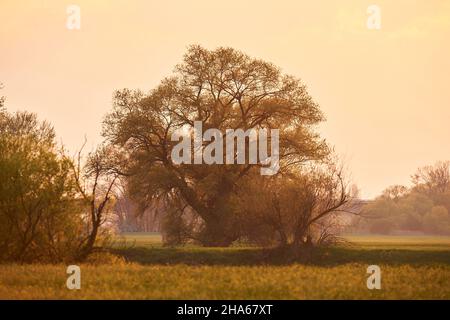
(337,256)
(326,257)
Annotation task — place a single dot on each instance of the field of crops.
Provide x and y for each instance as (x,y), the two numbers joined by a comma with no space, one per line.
(411,268)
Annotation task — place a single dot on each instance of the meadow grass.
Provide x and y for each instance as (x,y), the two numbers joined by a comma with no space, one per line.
(412,268)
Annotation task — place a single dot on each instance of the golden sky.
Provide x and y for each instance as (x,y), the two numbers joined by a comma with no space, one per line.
(386,93)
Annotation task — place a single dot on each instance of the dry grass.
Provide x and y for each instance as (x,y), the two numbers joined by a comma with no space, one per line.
(135,281)
(408,272)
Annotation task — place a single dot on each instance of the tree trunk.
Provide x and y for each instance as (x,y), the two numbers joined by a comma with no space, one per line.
(218,232)
(86,250)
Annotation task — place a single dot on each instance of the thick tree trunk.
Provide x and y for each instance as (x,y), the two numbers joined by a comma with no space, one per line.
(218,232)
(219,229)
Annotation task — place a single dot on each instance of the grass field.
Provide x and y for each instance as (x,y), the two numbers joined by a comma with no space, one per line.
(412,268)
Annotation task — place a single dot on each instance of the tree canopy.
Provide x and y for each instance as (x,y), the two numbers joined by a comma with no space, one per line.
(224,89)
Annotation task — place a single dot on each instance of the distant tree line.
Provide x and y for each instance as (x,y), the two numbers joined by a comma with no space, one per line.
(424,207)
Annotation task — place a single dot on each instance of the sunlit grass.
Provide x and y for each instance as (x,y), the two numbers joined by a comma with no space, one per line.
(133,281)
(401,242)
(412,268)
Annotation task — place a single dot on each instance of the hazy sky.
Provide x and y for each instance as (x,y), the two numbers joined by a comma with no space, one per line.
(386,93)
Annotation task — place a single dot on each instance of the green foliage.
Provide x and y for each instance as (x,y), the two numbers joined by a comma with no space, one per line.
(37,220)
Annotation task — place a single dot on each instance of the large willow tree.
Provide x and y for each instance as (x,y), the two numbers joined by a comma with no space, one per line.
(225,89)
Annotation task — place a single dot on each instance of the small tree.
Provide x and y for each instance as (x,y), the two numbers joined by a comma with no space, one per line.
(95,181)
(37,220)
(395,192)
(295,210)
(433,179)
